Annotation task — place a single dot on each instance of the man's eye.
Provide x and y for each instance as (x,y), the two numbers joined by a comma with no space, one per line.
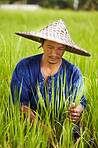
(60,48)
(50,47)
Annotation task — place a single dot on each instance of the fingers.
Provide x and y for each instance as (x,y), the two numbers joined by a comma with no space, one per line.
(53,134)
(74,110)
(72,117)
(72,106)
(49,138)
(73,114)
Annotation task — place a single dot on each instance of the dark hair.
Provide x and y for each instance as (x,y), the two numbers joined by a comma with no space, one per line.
(42,40)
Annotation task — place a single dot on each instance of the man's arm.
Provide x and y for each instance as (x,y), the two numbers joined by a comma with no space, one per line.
(78,110)
(25,109)
(78,93)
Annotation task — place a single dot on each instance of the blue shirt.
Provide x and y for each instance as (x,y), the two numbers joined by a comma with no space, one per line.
(28,84)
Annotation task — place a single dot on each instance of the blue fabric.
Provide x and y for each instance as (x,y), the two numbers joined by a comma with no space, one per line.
(27,78)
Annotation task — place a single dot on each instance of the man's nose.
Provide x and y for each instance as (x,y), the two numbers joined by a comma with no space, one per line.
(54,52)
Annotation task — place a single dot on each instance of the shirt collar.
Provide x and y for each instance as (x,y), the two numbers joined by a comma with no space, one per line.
(55,76)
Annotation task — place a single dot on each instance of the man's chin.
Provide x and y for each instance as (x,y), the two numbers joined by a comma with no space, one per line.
(50,62)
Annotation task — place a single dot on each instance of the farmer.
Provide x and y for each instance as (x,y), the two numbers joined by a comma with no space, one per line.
(39,70)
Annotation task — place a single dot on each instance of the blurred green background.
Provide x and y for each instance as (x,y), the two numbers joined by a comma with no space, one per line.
(62,4)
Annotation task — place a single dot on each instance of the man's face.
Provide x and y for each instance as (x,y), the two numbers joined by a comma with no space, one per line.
(53,51)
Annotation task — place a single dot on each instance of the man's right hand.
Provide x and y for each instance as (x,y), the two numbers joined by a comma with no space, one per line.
(25,109)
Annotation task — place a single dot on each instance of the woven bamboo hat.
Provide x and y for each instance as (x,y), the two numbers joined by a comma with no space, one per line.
(56,32)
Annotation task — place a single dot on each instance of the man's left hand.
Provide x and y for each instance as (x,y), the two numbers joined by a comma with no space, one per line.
(74,113)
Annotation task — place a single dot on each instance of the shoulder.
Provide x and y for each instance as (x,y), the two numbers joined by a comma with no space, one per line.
(73,69)
(29,62)
(28,65)
(73,73)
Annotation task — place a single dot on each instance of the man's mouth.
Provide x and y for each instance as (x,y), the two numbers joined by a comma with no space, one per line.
(53,58)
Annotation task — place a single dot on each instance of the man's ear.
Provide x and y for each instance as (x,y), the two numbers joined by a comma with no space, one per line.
(41,43)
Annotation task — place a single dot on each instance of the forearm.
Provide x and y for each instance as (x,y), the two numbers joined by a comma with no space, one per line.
(25,110)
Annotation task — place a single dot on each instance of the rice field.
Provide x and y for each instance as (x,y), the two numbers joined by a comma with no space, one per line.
(83,28)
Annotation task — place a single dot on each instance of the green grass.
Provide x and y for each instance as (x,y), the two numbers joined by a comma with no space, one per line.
(83,27)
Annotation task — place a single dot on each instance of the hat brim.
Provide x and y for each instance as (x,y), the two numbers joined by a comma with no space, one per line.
(74,49)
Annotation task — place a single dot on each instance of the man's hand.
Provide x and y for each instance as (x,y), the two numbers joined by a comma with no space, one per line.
(74,113)
(25,109)
(54,136)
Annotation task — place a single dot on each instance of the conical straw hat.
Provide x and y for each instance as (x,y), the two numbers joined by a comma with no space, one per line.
(56,32)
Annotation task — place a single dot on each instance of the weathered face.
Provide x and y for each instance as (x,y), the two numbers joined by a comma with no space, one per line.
(53,51)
